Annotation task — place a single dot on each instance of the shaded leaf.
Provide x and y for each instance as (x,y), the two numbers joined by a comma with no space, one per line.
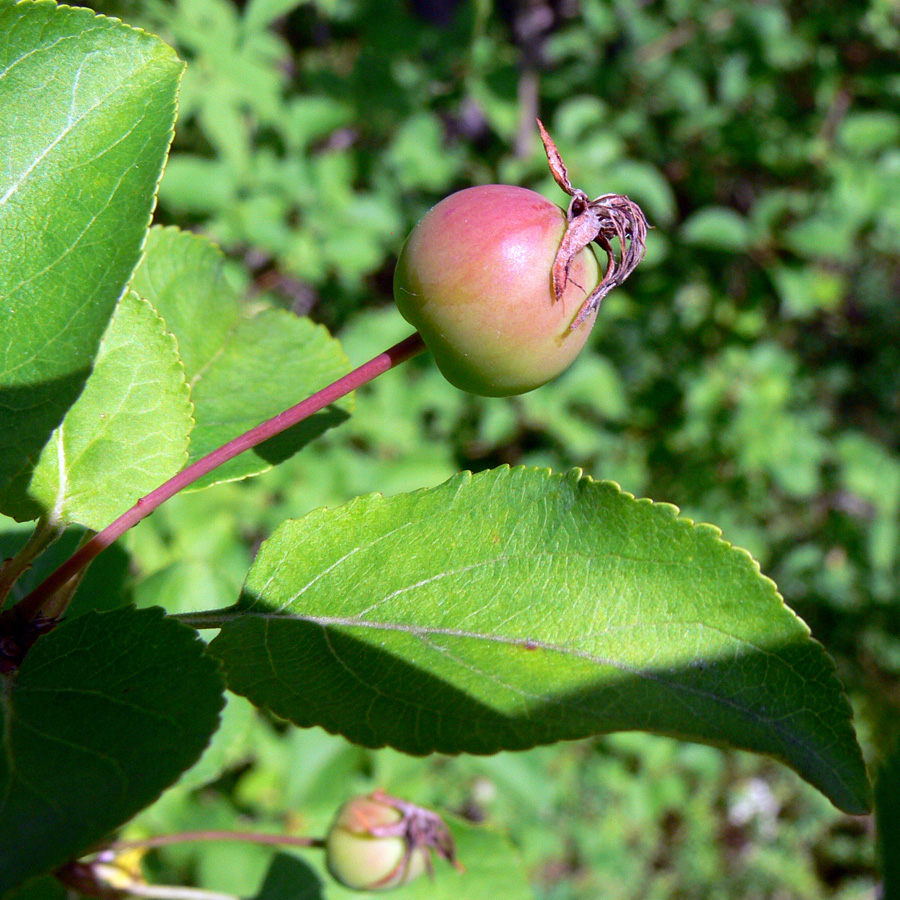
(106,712)
(887,818)
(128,430)
(86,112)
(43,888)
(514,608)
(290,878)
(230,744)
(106,581)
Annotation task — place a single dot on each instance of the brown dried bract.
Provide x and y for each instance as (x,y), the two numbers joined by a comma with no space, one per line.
(609,216)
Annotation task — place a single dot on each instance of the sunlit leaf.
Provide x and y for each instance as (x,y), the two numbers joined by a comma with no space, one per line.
(86,112)
(242,368)
(128,430)
(514,608)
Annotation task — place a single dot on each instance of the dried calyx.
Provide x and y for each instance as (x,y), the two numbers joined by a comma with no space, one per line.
(609,216)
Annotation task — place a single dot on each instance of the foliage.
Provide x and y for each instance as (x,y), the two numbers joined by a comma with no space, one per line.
(747,373)
(66,786)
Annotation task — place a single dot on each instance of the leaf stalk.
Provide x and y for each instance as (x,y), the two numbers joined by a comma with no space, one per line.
(186,837)
(40,602)
(44,534)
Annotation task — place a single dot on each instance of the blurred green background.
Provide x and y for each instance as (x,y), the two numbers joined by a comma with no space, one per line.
(748,372)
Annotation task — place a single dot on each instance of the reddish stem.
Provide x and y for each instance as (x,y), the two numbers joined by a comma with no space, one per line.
(33,605)
(183,837)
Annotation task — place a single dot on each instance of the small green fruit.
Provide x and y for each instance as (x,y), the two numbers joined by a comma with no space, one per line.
(475,279)
(361,856)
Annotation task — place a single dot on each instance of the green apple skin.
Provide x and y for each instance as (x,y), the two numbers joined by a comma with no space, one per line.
(474,278)
(360,860)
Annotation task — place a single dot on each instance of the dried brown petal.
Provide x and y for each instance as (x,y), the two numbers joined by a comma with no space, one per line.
(609,217)
(557,166)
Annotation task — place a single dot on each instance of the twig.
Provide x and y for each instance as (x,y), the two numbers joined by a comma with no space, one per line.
(34,605)
(12,569)
(186,837)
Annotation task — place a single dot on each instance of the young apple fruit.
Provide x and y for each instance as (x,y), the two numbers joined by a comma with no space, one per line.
(360,856)
(474,277)
(378,842)
(503,286)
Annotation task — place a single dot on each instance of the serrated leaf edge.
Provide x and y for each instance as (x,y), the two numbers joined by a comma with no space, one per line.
(574,476)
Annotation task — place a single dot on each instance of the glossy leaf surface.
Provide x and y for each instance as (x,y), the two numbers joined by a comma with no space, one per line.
(86,112)
(515,608)
(128,430)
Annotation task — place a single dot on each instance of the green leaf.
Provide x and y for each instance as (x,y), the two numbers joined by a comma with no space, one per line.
(44,888)
(716,228)
(86,113)
(492,869)
(242,370)
(869,132)
(269,363)
(808,290)
(887,817)
(419,158)
(181,275)
(290,878)
(260,13)
(198,186)
(312,117)
(647,185)
(127,432)
(230,744)
(820,238)
(105,713)
(516,607)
